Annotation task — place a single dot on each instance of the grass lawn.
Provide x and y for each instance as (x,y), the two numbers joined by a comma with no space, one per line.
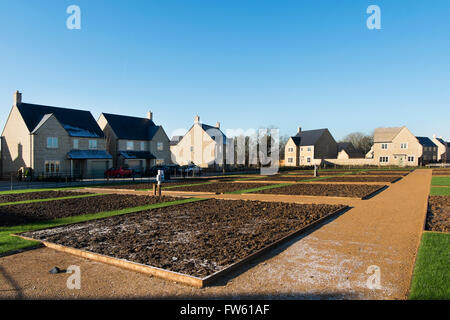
(440,191)
(260,188)
(440,181)
(431,279)
(10,243)
(51,199)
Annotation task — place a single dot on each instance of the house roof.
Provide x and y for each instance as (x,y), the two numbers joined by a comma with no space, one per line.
(77,123)
(386,134)
(137,155)
(426,142)
(88,154)
(308,137)
(131,128)
(349,148)
(210,130)
(175,139)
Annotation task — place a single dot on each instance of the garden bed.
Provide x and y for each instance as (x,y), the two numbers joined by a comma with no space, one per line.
(220,187)
(441,173)
(197,239)
(286,178)
(438,216)
(42,211)
(15,197)
(362,179)
(361,191)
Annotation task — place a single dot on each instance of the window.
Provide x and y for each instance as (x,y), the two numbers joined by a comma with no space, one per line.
(160,146)
(403,145)
(130,145)
(192,149)
(159,162)
(384,159)
(92,144)
(308,159)
(384,146)
(309,148)
(290,149)
(290,160)
(75,143)
(52,166)
(52,142)
(301,149)
(142,145)
(410,158)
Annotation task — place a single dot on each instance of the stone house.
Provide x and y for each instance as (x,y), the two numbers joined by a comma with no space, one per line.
(346,150)
(137,143)
(443,149)
(53,141)
(310,147)
(200,146)
(397,146)
(429,151)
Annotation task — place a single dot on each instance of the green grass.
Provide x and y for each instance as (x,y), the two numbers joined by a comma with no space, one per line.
(431,279)
(10,243)
(51,199)
(440,191)
(440,181)
(260,188)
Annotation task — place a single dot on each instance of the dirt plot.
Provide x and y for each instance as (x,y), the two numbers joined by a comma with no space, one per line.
(384,173)
(41,211)
(361,179)
(438,216)
(441,173)
(5,198)
(331,190)
(220,187)
(196,239)
(286,178)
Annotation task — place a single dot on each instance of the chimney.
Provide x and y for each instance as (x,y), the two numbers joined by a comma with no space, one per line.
(434,136)
(150,115)
(299,130)
(218,125)
(17,98)
(196,119)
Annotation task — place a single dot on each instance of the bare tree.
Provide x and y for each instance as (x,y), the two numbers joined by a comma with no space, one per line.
(360,141)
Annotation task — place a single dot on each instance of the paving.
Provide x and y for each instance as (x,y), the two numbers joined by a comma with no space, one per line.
(333,261)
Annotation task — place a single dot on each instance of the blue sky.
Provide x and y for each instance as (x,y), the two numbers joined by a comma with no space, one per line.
(247,63)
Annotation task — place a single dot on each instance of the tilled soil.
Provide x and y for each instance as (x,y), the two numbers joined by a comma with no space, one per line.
(149,186)
(441,173)
(384,173)
(41,211)
(197,239)
(37,195)
(286,178)
(332,190)
(438,216)
(361,179)
(220,187)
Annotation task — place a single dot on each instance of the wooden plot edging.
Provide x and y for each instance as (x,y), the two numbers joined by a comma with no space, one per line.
(176,276)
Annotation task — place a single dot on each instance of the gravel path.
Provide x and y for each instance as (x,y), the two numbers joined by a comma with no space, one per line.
(328,263)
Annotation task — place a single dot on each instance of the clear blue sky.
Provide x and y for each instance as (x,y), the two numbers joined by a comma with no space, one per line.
(245,63)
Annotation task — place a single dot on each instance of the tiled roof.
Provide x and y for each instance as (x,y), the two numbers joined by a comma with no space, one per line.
(77,123)
(308,137)
(88,154)
(386,134)
(426,142)
(131,128)
(137,155)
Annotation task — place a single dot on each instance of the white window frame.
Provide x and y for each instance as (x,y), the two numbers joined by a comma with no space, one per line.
(290,160)
(410,158)
(384,159)
(52,142)
(130,145)
(160,146)
(56,166)
(93,145)
(384,146)
(308,159)
(142,145)
(76,144)
(291,149)
(404,145)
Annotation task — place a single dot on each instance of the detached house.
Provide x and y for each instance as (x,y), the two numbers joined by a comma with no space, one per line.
(135,142)
(397,146)
(200,145)
(53,141)
(443,149)
(346,150)
(310,147)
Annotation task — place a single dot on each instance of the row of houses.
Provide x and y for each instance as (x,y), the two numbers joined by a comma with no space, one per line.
(53,140)
(395,146)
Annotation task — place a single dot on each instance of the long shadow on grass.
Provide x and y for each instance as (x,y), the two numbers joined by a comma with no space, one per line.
(223,281)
